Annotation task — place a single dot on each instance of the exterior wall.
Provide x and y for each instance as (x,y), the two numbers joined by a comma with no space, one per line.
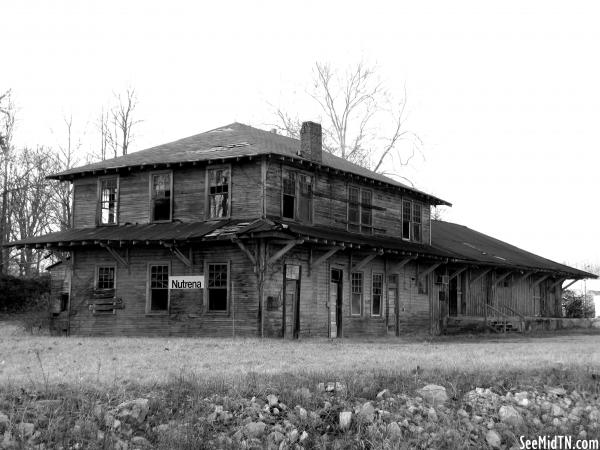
(330,205)
(188,314)
(189,195)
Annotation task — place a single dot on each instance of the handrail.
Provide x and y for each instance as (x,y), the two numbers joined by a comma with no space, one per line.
(497,310)
(514,312)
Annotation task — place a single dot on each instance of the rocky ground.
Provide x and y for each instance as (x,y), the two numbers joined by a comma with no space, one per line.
(322,417)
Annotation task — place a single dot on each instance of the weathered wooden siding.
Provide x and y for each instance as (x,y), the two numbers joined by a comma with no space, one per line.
(189,195)
(188,315)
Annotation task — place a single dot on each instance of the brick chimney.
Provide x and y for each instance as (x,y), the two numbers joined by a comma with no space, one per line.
(311,141)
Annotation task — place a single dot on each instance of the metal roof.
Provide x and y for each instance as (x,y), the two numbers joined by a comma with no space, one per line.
(232,141)
(472,246)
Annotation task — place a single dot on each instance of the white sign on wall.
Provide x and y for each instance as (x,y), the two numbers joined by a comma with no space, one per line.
(186,282)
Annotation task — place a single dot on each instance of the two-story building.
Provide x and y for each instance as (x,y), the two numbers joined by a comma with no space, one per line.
(291,241)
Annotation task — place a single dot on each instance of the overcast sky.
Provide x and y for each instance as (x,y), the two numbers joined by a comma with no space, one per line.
(505,96)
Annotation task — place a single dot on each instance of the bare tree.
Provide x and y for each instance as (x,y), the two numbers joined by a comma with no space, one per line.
(116,125)
(7,124)
(361,121)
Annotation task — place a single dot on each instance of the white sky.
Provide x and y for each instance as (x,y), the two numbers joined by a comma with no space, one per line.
(505,96)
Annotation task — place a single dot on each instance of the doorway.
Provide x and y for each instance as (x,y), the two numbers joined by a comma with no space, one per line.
(394,304)
(291,304)
(456,305)
(335,303)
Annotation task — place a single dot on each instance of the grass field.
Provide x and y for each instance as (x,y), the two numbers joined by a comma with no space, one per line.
(107,361)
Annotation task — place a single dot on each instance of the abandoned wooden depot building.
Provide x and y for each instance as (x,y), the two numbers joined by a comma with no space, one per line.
(291,241)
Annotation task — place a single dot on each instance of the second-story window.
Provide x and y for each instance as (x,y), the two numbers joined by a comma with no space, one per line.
(412,221)
(297,193)
(360,212)
(160,203)
(417,222)
(109,194)
(218,192)
(406,218)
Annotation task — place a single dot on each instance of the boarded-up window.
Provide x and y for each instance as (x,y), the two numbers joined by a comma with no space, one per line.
(406,219)
(357,293)
(218,193)
(360,210)
(105,278)
(217,287)
(161,196)
(377,294)
(159,288)
(417,223)
(108,200)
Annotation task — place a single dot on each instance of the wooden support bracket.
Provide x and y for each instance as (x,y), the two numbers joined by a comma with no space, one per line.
(180,256)
(558,282)
(427,271)
(359,265)
(291,244)
(525,276)
(115,255)
(321,259)
(539,280)
(479,277)
(396,267)
(570,284)
(502,278)
(456,273)
(243,248)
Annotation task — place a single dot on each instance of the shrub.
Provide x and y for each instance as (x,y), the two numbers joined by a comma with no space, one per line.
(24,294)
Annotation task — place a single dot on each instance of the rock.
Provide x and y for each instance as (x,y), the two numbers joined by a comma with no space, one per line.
(557,411)
(433,394)
(301,412)
(345,419)
(493,439)
(272,400)
(120,444)
(275,437)
(304,393)
(4,422)
(557,391)
(25,429)
(303,436)
(140,442)
(432,415)
(367,412)
(255,429)
(293,435)
(594,415)
(384,394)
(394,431)
(162,428)
(134,411)
(510,416)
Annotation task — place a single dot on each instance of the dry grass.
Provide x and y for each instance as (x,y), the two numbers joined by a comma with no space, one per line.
(36,360)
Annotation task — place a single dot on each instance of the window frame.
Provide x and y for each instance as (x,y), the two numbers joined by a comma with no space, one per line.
(362,292)
(207,193)
(149,311)
(207,309)
(361,226)
(151,199)
(97,268)
(373,275)
(99,200)
(410,203)
(416,223)
(297,194)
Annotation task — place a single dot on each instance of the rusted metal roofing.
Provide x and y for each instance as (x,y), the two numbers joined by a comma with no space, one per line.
(232,141)
(472,246)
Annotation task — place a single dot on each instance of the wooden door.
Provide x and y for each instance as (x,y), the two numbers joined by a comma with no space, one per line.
(393,300)
(291,304)
(335,303)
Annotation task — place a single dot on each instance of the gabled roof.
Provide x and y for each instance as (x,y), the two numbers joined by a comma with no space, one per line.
(232,141)
(472,246)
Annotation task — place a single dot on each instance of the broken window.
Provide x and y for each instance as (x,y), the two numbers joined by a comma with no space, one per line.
(218,287)
(360,210)
(417,223)
(108,200)
(406,219)
(289,194)
(161,196)
(357,293)
(297,193)
(377,294)
(159,288)
(105,277)
(218,192)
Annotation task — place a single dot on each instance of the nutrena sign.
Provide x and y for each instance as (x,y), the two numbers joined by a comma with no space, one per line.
(187,282)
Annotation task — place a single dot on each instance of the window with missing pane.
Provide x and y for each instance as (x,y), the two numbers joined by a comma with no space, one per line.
(158,300)
(356,293)
(105,277)
(366,212)
(417,222)
(360,210)
(108,200)
(353,209)
(377,294)
(305,191)
(161,196)
(218,192)
(289,194)
(218,287)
